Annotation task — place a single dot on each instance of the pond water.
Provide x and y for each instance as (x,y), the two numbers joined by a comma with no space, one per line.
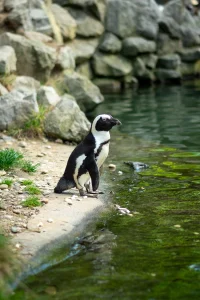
(155,253)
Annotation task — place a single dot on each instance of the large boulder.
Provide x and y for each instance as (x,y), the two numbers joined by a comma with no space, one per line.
(65,58)
(87,26)
(168,75)
(132,46)
(47,96)
(150,60)
(85,69)
(25,84)
(111,65)
(190,54)
(11,4)
(141,71)
(110,43)
(66,121)
(169,61)
(7,60)
(33,58)
(131,17)
(83,49)
(37,36)
(84,91)
(65,21)
(3,90)
(167,45)
(16,108)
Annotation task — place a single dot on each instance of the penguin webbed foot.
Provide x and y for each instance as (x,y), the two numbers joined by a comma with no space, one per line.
(83,193)
(90,191)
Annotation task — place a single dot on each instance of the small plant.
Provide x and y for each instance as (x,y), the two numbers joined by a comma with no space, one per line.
(31,201)
(7,181)
(9,158)
(27,182)
(28,167)
(32,190)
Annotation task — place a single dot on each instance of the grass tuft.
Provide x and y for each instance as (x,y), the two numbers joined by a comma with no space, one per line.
(9,158)
(7,181)
(32,190)
(31,201)
(28,166)
(27,182)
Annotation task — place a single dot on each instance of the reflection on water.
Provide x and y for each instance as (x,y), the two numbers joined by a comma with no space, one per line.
(155,254)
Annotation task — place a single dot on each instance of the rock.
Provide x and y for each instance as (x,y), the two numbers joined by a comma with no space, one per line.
(1,5)
(7,60)
(16,108)
(170,61)
(11,4)
(42,57)
(3,90)
(86,25)
(37,36)
(25,84)
(190,55)
(83,90)
(65,58)
(111,65)
(166,45)
(139,67)
(19,17)
(65,21)
(120,172)
(22,144)
(15,229)
(128,18)
(190,37)
(69,201)
(78,3)
(110,43)
(72,126)
(170,26)
(150,60)
(133,46)
(98,8)
(112,166)
(47,96)
(164,75)
(2,173)
(40,224)
(85,70)
(50,220)
(3,186)
(40,21)
(45,200)
(137,165)
(83,49)
(108,85)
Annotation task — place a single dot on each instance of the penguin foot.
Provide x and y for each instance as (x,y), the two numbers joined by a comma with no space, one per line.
(91,195)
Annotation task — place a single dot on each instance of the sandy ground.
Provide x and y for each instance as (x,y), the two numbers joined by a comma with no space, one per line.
(56,218)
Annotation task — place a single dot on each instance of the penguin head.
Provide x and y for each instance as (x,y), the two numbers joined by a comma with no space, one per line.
(104,122)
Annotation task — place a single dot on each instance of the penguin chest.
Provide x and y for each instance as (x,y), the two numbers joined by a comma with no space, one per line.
(102,154)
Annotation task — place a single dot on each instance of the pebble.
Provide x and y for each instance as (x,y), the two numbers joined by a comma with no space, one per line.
(15,229)
(16,211)
(50,220)
(22,144)
(44,172)
(74,196)
(9,217)
(45,200)
(18,245)
(40,224)
(120,172)
(40,155)
(69,201)
(59,141)
(48,147)
(85,197)
(177,226)
(45,193)
(112,166)
(3,186)
(2,173)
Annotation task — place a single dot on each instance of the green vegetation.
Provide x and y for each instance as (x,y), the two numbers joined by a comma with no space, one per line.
(7,80)
(9,158)
(32,190)
(28,167)
(7,181)
(31,201)
(27,182)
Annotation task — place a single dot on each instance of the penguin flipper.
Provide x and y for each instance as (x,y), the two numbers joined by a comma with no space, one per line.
(92,168)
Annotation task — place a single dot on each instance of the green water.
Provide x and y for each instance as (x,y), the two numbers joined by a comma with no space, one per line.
(154,254)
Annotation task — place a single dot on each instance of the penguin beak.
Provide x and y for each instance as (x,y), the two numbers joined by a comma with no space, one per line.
(116,122)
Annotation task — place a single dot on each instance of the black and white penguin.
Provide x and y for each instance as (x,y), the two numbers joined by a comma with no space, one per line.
(87,158)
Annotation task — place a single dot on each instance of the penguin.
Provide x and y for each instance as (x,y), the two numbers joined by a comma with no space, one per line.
(86,160)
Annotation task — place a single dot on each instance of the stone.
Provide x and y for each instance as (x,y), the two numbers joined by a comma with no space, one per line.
(65,58)
(110,43)
(188,69)
(168,75)
(111,65)
(98,8)
(65,21)
(112,166)
(11,4)
(190,37)
(87,26)
(3,186)
(129,18)
(50,220)
(40,21)
(47,96)
(150,60)
(19,17)
(7,60)
(78,3)
(2,173)
(85,70)
(25,84)
(133,46)
(69,201)
(170,61)
(190,54)
(82,89)
(139,67)
(22,144)
(167,45)
(170,26)
(108,85)
(72,126)
(15,229)
(83,49)
(42,57)
(37,36)
(1,5)
(45,200)
(3,90)
(16,108)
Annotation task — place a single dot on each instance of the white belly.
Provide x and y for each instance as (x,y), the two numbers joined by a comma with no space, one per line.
(103,155)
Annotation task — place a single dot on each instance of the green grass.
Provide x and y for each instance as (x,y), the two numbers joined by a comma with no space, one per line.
(31,201)
(27,182)
(9,158)
(32,190)
(7,181)
(28,166)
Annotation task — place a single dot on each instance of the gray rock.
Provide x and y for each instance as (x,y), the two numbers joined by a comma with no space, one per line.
(16,108)
(190,36)
(3,90)
(110,43)
(20,17)
(71,126)
(165,75)
(86,25)
(1,5)
(170,61)
(7,60)
(65,21)
(170,26)
(141,72)
(190,54)
(98,8)
(65,58)
(15,229)
(11,4)
(189,69)
(25,84)
(108,85)
(83,49)
(111,65)
(42,57)
(167,45)
(150,60)
(40,21)
(126,18)
(85,70)
(78,3)
(84,91)
(132,46)
(37,36)
(3,186)
(47,96)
